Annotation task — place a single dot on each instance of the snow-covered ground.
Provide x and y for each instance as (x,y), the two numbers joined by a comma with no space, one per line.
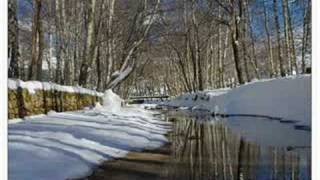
(288,99)
(70,144)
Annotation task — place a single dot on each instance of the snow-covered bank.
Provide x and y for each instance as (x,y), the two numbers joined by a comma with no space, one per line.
(70,144)
(286,98)
(33,86)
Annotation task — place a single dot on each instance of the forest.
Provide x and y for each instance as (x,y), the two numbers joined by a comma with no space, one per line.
(154,47)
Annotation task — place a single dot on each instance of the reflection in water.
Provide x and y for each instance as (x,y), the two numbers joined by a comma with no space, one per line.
(203,148)
(212,151)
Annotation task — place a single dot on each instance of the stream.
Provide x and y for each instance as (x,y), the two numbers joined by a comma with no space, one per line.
(206,147)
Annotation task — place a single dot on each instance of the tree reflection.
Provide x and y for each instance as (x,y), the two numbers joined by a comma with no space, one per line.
(209,150)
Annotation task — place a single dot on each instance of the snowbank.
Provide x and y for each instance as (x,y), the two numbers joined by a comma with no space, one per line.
(286,98)
(111,102)
(69,144)
(33,86)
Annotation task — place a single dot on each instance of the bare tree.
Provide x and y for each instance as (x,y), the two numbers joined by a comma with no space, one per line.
(129,61)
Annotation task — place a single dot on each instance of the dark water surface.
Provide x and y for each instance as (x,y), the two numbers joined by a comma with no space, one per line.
(203,147)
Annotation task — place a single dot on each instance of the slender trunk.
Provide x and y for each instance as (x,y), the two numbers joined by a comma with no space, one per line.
(13,41)
(286,35)
(197,57)
(58,75)
(253,57)
(40,49)
(110,41)
(291,40)
(306,21)
(244,38)
(235,37)
(188,50)
(276,19)
(272,69)
(224,57)
(220,55)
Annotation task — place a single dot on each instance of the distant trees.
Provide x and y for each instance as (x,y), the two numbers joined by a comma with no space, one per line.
(158,46)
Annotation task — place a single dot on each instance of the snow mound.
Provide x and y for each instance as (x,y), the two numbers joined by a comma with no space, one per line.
(287,98)
(111,101)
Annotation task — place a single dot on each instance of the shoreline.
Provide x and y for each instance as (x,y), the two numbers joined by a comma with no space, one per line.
(145,163)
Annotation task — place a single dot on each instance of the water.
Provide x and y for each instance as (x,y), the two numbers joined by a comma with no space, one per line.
(203,147)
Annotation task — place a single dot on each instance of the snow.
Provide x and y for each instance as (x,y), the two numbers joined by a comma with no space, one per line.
(286,98)
(33,86)
(70,144)
(111,101)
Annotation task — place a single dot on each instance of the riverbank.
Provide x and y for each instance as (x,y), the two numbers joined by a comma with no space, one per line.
(286,99)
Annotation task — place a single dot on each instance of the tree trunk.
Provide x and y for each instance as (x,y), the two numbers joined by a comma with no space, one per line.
(197,57)
(306,30)
(276,19)
(36,51)
(244,38)
(110,41)
(40,49)
(291,40)
(286,35)
(88,58)
(13,41)
(226,43)
(221,56)
(253,57)
(235,37)
(270,48)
